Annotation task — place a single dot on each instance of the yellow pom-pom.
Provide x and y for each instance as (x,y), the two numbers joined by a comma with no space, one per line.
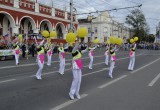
(112,39)
(53,34)
(131,40)
(45,34)
(135,39)
(82,32)
(70,37)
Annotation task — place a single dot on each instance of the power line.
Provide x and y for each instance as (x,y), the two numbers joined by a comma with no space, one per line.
(115,9)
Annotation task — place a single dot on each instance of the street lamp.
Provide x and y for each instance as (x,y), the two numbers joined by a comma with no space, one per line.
(90,18)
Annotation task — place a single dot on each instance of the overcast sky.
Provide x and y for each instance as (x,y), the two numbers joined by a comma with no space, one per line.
(150,8)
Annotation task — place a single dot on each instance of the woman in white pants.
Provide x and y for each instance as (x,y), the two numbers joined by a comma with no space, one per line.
(49,54)
(113,60)
(62,59)
(107,55)
(16,53)
(132,57)
(40,61)
(77,73)
(91,54)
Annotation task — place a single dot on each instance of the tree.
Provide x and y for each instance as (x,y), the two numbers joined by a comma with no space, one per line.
(138,23)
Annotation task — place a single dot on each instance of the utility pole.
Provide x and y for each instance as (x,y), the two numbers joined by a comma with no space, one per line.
(71,14)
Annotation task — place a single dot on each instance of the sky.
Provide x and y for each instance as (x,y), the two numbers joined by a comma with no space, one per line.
(150,8)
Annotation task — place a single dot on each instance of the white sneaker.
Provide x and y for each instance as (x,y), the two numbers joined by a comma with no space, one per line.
(111,76)
(78,96)
(90,68)
(71,96)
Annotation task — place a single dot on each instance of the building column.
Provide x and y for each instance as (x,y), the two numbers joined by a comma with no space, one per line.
(65,15)
(36,31)
(15,30)
(53,11)
(16,3)
(37,7)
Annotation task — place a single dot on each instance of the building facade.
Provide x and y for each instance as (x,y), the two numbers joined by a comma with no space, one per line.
(26,16)
(103,27)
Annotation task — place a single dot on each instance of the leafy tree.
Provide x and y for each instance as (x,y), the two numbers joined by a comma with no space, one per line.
(138,23)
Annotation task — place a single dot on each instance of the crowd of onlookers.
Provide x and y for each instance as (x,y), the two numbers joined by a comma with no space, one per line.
(149,46)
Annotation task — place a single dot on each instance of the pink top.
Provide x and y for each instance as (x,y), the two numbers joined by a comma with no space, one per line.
(41,57)
(17,51)
(63,54)
(79,63)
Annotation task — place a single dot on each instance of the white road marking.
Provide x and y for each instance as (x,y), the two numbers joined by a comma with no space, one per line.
(95,72)
(111,82)
(7,80)
(68,103)
(31,64)
(154,80)
(145,66)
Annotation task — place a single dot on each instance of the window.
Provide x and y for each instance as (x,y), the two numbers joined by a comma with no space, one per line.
(89,30)
(20,3)
(28,5)
(6,0)
(95,29)
(24,4)
(11,1)
(32,6)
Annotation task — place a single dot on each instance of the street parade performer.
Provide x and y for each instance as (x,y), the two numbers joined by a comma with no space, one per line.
(16,53)
(132,57)
(61,59)
(91,54)
(113,59)
(76,70)
(40,61)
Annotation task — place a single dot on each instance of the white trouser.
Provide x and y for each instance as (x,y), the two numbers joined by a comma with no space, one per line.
(112,63)
(17,58)
(131,63)
(106,60)
(76,83)
(61,66)
(91,61)
(39,72)
(49,59)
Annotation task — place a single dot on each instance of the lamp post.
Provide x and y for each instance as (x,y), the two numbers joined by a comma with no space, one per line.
(90,18)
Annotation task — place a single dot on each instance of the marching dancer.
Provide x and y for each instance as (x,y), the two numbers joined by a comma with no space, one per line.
(49,54)
(16,53)
(91,54)
(107,55)
(113,59)
(40,61)
(62,59)
(132,57)
(76,70)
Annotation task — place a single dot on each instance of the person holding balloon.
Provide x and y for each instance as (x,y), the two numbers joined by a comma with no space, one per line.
(62,59)
(132,54)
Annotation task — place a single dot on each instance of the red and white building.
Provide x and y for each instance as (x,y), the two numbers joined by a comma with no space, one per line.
(25,16)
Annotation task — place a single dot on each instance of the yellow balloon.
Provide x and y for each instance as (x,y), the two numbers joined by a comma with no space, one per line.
(119,41)
(131,40)
(96,41)
(135,39)
(53,34)
(82,32)
(108,41)
(70,37)
(20,37)
(112,39)
(45,34)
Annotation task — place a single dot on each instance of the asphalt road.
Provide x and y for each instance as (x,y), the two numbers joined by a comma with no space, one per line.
(128,90)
